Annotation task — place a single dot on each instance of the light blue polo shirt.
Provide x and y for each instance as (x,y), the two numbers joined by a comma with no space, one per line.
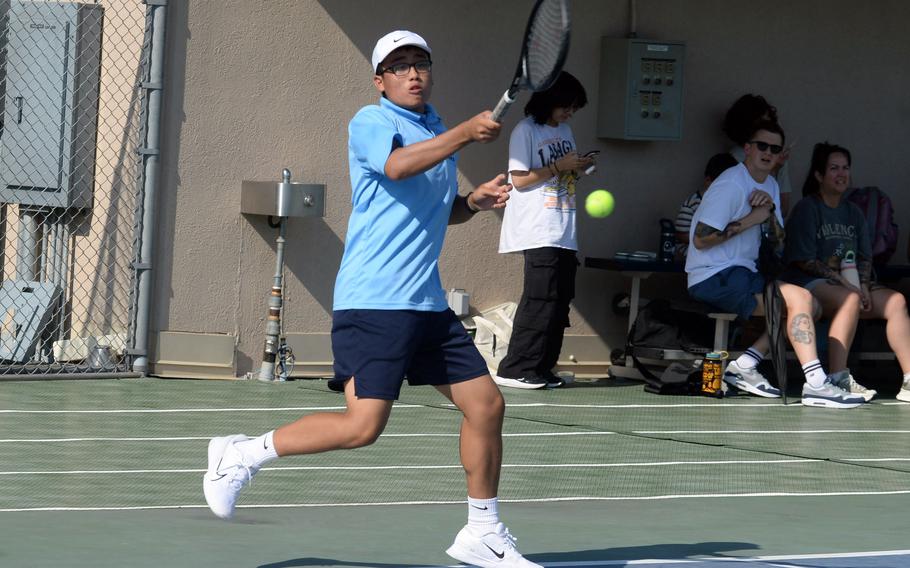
(396,229)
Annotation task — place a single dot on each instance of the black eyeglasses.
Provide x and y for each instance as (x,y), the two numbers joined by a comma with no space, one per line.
(764,146)
(402,69)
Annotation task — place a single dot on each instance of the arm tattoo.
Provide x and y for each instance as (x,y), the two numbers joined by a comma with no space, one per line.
(731,229)
(816,267)
(702,231)
(802,330)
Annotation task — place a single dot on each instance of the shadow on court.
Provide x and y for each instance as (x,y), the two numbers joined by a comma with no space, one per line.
(616,555)
(298,562)
(672,551)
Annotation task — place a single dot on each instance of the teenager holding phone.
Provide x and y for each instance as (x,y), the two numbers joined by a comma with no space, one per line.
(539,222)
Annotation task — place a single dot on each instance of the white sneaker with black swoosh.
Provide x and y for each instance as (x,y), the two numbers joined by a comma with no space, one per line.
(495,549)
(226,475)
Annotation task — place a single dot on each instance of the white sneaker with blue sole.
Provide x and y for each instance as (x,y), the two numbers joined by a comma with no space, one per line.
(749,380)
(829,395)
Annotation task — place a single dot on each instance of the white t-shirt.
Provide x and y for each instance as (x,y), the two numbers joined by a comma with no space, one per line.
(728,200)
(541,215)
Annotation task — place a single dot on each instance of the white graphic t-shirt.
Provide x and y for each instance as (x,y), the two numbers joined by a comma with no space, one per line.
(541,215)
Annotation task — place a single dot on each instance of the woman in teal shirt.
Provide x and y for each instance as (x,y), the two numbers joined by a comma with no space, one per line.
(828,252)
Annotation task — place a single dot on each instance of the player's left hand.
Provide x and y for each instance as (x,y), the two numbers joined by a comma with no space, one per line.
(491,195)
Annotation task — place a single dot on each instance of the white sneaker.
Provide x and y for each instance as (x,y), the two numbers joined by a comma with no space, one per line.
(749,380)
(829,395)
(226,476)
(492,550)
(904,394)
(856,388)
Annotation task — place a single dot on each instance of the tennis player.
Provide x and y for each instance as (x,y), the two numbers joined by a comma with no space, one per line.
(391,318)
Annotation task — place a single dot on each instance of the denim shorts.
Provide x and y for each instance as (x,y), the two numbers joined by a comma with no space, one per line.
(380,348)
(731,290)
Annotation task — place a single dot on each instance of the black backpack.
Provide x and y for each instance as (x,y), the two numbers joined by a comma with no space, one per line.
(661,326)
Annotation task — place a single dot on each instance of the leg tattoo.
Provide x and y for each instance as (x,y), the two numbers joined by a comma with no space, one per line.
(802,330)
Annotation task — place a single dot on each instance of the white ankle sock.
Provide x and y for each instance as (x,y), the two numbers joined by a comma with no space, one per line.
(750,358)
(260,450)
(815,374)
(483,514)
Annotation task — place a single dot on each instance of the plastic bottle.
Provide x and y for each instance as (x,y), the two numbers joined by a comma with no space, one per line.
(848,268)
(667,240)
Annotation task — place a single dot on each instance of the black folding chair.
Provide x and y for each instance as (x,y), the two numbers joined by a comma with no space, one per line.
(774,304)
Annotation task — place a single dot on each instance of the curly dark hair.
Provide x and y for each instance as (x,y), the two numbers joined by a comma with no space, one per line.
(819,164)
(565,92)
(742,116)
(718,164)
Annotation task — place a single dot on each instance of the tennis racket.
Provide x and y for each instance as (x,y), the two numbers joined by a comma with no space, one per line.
(543,52)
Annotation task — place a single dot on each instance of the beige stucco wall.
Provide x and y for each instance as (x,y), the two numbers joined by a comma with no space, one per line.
(253,87)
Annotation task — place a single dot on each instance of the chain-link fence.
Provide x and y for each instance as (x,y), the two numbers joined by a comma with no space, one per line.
(72,97)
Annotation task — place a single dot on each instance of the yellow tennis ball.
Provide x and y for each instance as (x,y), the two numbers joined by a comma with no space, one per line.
(599,203)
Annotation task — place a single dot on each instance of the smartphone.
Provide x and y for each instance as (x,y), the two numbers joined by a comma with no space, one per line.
(592,154)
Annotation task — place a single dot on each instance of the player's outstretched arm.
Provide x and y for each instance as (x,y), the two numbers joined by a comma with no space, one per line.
(490,195)
(407,161)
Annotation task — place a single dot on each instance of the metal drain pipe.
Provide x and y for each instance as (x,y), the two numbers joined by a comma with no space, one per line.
(150,151)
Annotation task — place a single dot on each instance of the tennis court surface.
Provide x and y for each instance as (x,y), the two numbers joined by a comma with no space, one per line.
(108,473)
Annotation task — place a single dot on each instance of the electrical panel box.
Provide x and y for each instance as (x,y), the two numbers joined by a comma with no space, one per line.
(50,116)
(641,89)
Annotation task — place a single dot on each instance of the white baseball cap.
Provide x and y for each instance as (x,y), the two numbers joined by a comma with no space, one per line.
(392,41)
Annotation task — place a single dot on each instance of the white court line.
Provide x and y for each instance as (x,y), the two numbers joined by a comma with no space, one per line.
(410,467)
(325,408)
(461,501)
(193,438)
(710,560)
(173,410)
(455,435)
(459,466)
(429,406)
(832,431)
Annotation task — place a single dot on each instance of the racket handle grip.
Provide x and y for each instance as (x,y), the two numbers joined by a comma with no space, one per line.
(502,106)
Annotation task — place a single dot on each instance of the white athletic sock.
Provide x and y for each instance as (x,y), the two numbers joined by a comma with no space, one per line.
(750,358)
(260,450)
(483,514)
(907,380)
(815,374)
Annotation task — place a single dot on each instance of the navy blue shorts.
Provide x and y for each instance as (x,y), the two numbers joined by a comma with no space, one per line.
(380,348)
(731,290)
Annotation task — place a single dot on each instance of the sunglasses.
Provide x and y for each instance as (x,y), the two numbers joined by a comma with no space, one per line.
(764,146)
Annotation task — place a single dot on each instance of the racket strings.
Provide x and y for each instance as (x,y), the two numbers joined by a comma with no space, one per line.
(548,36)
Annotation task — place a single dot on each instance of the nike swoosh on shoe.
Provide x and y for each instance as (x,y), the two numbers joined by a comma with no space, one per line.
(499,555)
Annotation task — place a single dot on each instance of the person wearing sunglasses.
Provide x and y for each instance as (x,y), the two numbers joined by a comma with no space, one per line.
(830,254)
(722,271)
(738,124)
